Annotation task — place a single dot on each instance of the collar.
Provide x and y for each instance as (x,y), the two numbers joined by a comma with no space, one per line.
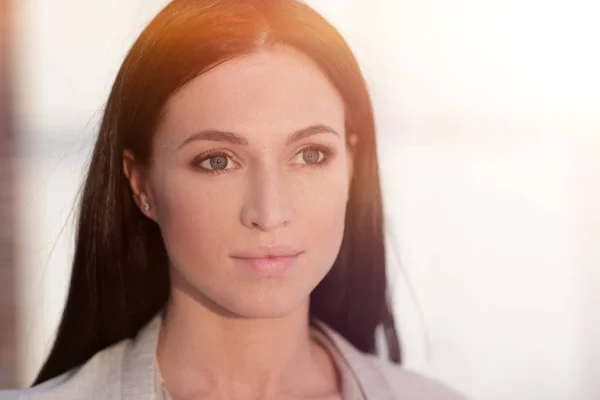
(364,367)
(139,368)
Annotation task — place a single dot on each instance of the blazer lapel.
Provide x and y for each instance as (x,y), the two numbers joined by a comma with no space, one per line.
(138,377)
(364,367)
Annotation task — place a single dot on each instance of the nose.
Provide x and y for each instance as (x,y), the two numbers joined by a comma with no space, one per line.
(267,204)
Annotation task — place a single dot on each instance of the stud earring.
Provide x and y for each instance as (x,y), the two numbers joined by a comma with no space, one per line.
(146,206)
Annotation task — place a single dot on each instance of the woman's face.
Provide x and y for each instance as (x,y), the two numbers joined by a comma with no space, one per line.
(250,155)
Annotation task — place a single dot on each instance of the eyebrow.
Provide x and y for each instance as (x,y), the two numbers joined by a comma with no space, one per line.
(237,139)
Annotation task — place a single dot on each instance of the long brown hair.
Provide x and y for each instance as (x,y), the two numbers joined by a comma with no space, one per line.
(120,274)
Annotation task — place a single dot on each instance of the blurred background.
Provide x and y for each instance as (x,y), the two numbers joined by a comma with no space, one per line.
(488,115)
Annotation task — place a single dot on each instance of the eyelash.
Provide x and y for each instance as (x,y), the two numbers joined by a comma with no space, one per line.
(327,152)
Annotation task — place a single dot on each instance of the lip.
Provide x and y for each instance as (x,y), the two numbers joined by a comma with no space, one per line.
(274,261)
(268,252)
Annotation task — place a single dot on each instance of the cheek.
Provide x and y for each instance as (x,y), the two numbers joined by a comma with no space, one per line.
(195,217)
(322,193)
(320,211)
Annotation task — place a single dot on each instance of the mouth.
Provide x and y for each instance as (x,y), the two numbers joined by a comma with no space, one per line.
(273,266)
(267,252)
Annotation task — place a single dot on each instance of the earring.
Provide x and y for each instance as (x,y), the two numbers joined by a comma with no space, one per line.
(353,139)
(146,206)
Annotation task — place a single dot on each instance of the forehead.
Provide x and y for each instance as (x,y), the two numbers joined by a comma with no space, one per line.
(262,95)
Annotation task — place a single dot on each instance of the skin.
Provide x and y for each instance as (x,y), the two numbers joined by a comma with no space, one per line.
(228,332)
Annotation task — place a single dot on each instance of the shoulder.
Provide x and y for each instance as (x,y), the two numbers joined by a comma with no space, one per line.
(411,385)
(98,378)
(381,379)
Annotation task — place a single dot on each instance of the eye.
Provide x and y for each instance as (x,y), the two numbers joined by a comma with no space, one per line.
(312,155)
(214,162)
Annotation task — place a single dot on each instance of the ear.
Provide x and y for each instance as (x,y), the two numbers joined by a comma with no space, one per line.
(138,182)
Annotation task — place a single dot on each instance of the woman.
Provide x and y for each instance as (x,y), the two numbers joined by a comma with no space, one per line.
(230,241)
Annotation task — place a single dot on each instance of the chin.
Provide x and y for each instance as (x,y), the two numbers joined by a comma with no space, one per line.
(265,299)
(267,304)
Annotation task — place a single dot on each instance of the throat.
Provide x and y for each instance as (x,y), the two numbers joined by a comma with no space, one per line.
(241,359)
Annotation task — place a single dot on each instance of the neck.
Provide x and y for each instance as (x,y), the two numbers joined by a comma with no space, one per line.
(201,351)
